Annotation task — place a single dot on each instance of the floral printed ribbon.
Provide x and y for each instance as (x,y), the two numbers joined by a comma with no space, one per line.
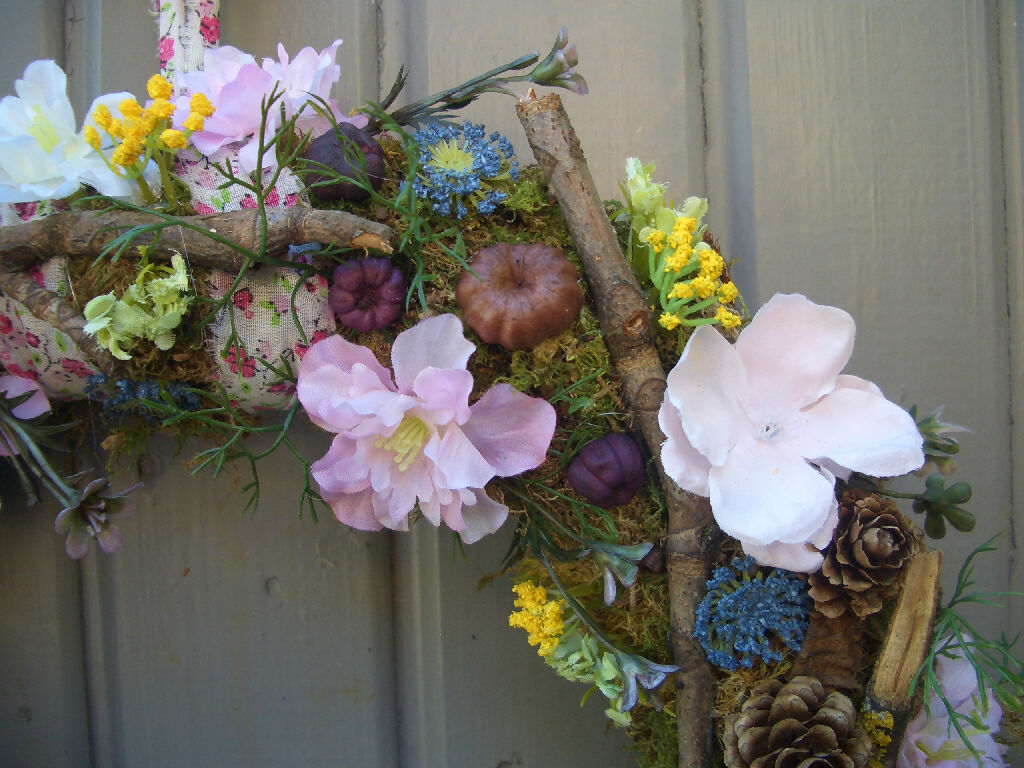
(186,29)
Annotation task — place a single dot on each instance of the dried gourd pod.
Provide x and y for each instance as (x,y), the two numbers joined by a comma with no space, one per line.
(367,294)
(608,471)
(521,294)
(358,155)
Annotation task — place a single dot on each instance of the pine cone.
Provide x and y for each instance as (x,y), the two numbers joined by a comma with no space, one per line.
(791,725)
(864,563)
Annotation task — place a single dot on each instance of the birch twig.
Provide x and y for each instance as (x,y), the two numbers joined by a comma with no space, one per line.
(85,233)
(626,322)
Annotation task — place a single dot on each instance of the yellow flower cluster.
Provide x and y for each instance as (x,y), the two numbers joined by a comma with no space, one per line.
(540,617)
(141,133)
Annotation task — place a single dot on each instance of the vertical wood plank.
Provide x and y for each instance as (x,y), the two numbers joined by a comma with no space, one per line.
(43,718)
(856,148)
(215,639)
(1011,73)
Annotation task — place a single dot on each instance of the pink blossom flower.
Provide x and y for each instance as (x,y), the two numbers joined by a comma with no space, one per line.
(931,741)
(36,405)
(236,85)
(415,439)
(764,426)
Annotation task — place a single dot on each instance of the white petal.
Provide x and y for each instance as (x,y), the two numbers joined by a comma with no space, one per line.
(682,462)
(706,386)
(437,342)
(793,350)
(800,557)
(764,493)
(858,430)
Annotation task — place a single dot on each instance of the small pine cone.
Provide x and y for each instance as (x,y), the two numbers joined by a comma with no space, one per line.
(864,563)
(795,724)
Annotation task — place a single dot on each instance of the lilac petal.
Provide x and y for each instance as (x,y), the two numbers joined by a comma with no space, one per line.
(512,431)
(36,405)
(445,393)
(764,493)
(458,461)
(858,430)
(706,387)
(337,352)
(77,544)
(345,468)
(682,462)
(793,350)
(354,509)
(110,539)
(474,519)
(437,342)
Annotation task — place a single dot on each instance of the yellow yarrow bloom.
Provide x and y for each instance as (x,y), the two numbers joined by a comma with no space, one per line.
(158,88)
(194,122)
(101,116)
(201,104)
(669,321)
(541,618)
(115,128)
(162,108)
(711,264)
(123,156)
(682,232)
(654,238)
(704,286)
(726,318)
(676,262)
(681,291)
(173,139)
(130,107)
(728,293)
(92,137)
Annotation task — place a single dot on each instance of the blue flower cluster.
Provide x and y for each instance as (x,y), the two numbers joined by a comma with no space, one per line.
(460,164)
(746,615)
(131,396)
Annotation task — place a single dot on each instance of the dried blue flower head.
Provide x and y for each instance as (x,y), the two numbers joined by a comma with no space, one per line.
(747,616)
(460,165)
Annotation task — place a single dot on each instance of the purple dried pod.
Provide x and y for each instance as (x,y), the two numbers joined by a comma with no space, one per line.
(608,471)
(367,294)
(343,157)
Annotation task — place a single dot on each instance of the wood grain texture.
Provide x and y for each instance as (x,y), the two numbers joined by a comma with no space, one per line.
(219,640)
(854,156)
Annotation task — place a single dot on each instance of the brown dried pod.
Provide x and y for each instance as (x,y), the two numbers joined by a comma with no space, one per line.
(864,563)
(521,294)
(794,724)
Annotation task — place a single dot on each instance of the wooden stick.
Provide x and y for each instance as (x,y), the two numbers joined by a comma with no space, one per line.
(86,233)
(51,308)
(626,322)
(906,645)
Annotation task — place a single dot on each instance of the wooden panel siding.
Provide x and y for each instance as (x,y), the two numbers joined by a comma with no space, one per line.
(866,154)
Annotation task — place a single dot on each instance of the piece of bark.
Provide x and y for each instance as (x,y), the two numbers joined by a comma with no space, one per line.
(51,308)
(87,233)
(832,651)
(906,646)
(628,331)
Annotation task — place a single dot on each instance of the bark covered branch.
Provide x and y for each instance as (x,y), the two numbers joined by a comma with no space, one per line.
(86,233)
(627,326)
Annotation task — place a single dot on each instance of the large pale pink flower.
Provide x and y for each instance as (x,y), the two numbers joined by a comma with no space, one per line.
(236,86)
(763,427)
(931,741)
(415,439)
(36,405)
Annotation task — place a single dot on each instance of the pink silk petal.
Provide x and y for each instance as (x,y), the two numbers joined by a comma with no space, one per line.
(858,430)
(706,387)
(344,468)
(682,462)
(354,509)
(437,342)
(764,493)
(512,431)
(475,519)
(36,405)
(445,393)
(793,350)
(337,352)
(458,461)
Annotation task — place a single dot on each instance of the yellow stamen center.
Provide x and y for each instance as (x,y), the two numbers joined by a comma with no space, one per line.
(448,155)
(42,130)
(405,442)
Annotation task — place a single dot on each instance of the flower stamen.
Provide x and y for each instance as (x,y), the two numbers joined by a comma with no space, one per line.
(405,442)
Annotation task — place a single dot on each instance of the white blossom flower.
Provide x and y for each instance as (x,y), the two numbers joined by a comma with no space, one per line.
(763,427)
